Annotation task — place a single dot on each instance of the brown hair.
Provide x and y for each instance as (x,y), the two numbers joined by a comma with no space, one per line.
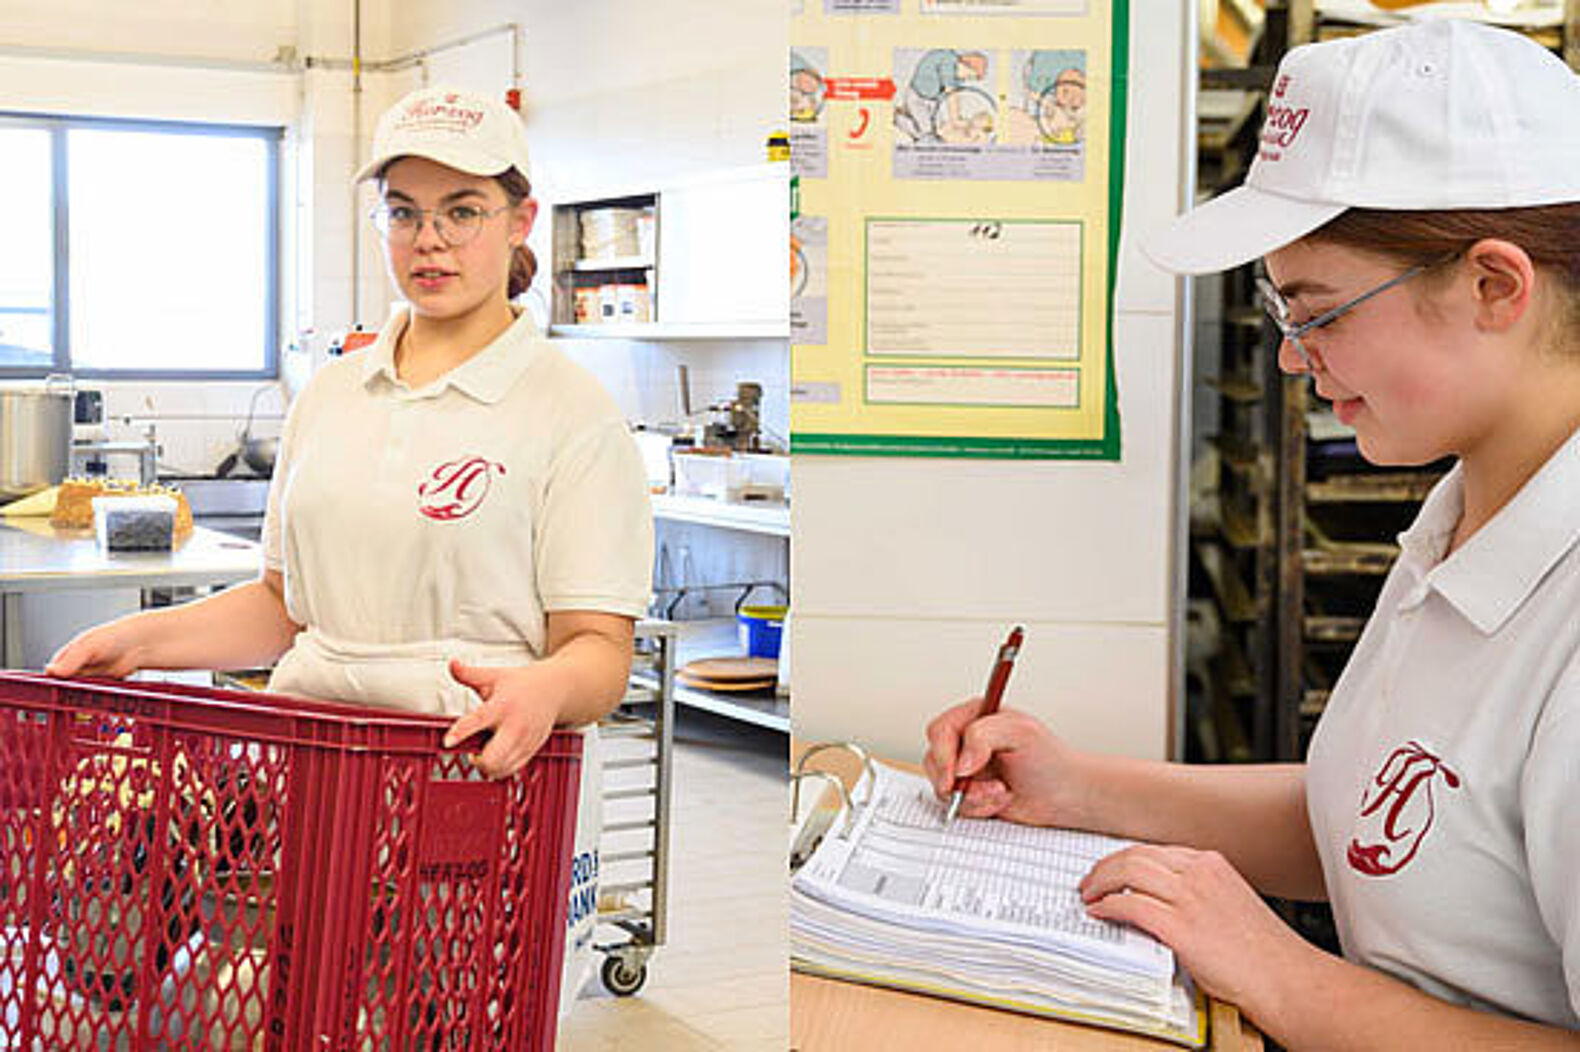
(523,264)
(1549,234)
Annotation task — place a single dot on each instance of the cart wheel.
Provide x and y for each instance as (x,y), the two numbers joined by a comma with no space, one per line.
(623,978)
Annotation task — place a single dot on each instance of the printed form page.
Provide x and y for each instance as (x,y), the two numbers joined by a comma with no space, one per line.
(902,863)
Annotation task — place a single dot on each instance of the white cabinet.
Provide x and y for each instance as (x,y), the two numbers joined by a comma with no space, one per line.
(720,267)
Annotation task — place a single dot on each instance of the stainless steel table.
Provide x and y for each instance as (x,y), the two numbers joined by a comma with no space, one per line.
(36,558)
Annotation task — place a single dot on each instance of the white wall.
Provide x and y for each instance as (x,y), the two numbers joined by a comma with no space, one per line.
(624,96)
(615,89)
(187,60)
(908,572)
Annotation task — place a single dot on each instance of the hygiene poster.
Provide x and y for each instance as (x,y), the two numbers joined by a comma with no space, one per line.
(955,228)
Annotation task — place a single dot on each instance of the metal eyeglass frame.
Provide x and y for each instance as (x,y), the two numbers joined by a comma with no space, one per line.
(442,225)
(1277,307)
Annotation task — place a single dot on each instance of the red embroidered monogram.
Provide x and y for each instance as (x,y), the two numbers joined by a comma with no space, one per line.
(456,488)
(1397,810)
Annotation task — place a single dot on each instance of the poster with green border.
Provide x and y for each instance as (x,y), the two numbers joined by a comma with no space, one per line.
(955,227)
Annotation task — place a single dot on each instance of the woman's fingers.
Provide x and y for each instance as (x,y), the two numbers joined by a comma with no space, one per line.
(479,719)
(985,797)
(943,744)
(1157,917)
(1148,868)
(480,678)
(1001,732)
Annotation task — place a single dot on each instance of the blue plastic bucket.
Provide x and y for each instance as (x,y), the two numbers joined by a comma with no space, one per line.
(760,629)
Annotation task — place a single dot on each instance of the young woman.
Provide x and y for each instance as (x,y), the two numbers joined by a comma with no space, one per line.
(458,521)
(1416,203)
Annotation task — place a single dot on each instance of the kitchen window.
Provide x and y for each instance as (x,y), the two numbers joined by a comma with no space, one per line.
(139,250)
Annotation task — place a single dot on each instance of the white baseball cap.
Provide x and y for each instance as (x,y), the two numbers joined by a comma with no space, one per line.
(468,132)
(1440,114)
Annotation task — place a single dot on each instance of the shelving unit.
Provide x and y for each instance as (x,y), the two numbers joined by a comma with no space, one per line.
(1298,532)
(770,518)
(713,266)
(707,638)
(577,280)
(662,331)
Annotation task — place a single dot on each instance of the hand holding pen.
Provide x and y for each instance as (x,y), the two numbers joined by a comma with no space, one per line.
(997,681)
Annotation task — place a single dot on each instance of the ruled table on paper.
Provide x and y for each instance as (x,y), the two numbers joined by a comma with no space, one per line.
(966,288)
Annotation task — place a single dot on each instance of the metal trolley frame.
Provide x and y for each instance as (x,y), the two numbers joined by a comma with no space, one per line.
(634,877)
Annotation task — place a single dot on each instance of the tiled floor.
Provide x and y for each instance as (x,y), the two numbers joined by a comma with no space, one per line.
(720,982)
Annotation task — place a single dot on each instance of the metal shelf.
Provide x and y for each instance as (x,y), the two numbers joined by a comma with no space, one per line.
(598,266)
(765,517)
(717,637)
(665,331)
(1391,487)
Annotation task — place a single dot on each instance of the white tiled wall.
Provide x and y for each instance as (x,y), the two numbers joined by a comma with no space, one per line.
(613,88)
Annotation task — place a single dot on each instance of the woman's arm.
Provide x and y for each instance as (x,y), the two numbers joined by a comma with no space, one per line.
(1255,815)
(1333,1004)
(1239,951)
(581,679)
(245,626)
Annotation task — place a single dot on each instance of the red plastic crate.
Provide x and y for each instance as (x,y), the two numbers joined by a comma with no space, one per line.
(214,870)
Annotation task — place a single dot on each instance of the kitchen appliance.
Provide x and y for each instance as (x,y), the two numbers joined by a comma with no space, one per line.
(235,505)
(88,416)
(35,434)
(258,453)
(737,423)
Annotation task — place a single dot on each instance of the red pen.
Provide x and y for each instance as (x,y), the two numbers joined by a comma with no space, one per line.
(997,681)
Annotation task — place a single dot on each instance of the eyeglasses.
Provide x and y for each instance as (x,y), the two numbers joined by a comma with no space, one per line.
(455,225)
(1279,311)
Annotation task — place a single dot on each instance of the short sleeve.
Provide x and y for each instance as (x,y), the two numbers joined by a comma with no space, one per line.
(1550,787)
(594,541)
(272,538)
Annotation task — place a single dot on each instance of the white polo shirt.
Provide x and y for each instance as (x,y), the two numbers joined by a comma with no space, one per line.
(1443,781)
(412,526)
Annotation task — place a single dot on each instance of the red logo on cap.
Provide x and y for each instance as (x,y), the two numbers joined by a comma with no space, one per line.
(1278,88)
(456,488)
(1397,810)
(1283,124)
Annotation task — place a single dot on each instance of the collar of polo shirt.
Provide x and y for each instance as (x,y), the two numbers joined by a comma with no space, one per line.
(1499,567)
(486,376)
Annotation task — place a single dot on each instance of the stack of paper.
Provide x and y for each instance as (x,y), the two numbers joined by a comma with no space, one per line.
(979,910)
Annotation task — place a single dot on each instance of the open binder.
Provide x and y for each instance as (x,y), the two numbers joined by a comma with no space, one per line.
(978,910)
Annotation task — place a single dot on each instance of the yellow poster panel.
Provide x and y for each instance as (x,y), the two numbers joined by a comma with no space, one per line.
(958,169)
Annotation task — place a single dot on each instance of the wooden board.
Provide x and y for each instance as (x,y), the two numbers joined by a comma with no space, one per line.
(731,669)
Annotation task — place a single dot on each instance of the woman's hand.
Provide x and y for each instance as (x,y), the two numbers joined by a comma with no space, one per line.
(1234,946)
(521,705)
(107,650)
(1019,770)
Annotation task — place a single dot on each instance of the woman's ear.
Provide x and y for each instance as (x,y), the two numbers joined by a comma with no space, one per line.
(521,220)
(1503,280)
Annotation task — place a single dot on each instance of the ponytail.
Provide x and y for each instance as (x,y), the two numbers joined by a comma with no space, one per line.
(523,264)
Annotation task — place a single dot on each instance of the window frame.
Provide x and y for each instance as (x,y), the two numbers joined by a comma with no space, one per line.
(60,293)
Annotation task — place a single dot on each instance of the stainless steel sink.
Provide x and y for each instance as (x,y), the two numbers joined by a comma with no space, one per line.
(234,505)
(241,496)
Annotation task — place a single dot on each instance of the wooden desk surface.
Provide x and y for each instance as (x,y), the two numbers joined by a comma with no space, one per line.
(828,1015)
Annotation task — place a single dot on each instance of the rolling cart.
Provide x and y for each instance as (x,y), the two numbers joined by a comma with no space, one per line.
(634,849)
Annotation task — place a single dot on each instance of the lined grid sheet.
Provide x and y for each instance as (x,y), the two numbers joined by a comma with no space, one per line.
(980,909)
(990,870)
(1013,884)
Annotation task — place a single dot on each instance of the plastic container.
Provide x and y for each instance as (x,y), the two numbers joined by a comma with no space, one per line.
(611,233)
(716,474)
(761,628)
(134,523)
(189,868)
